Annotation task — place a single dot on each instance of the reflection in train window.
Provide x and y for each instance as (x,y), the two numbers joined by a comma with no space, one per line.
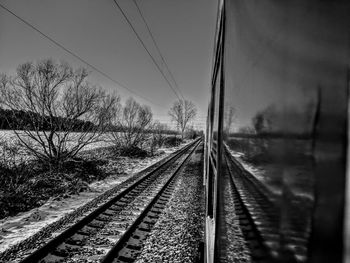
(282,154)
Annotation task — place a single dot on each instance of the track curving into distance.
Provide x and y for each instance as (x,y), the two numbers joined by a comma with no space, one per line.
(130,244)
(121,211)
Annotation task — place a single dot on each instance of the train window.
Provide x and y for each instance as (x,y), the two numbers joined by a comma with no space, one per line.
(284,132)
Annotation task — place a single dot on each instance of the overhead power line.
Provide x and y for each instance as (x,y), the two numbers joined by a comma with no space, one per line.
(157,47)
(75,55)
(144,46)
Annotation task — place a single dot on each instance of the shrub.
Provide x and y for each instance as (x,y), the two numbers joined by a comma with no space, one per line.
(10,155)
(27,185)
(133,151)
(132,125)
(172,141)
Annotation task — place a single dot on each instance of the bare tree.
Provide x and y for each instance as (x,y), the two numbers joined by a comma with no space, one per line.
(158,135)
(183,112)
(54,96)
(133,123)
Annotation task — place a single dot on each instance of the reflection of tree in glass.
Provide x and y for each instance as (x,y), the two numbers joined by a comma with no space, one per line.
(229,117)
(264,119)
(295,119)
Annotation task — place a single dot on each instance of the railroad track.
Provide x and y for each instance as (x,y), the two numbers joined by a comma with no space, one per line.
(93,236)
(258,215)
(271,237)
(130,244)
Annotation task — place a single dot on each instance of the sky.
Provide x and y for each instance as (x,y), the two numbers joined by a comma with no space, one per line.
(98,33)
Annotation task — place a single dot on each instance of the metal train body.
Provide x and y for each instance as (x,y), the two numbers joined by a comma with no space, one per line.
(279,108)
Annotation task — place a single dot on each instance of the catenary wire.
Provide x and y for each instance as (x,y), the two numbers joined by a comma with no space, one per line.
(144,46)
(157,47)
(76,56)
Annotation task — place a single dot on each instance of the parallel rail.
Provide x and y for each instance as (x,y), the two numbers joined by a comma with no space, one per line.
(130,244)
(256,212)
(260,215)
(101,215)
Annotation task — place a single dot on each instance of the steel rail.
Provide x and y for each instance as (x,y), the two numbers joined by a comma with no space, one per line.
(281,233)
(112,255)
(251,229)
(249,225)
(43,251)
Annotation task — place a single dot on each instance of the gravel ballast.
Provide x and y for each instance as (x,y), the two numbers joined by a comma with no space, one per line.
(177,234)
(41,236)
(235,249)
(99,244)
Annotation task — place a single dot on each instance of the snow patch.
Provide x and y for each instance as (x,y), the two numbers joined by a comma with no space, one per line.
(257,172)
(17,228)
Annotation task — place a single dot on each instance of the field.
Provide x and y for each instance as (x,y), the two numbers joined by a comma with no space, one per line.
(26,182)
(10,137)
(31,197)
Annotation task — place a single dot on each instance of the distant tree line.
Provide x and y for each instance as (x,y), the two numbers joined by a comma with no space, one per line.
(23,120)
(281,122)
